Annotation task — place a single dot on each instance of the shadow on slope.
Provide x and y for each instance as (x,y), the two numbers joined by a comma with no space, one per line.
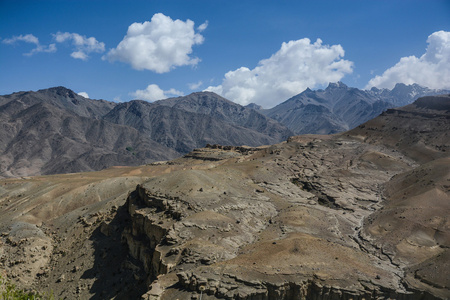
(117,275)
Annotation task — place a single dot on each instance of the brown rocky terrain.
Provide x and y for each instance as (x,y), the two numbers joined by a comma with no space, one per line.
(358,215)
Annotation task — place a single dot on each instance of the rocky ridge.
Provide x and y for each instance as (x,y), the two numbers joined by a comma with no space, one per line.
(219,108)
(182,128)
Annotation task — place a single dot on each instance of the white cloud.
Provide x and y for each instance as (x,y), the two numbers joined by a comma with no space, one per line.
(31,39)
(83,45)
(153,92)
(28,38)
(202,27)
(158,45)
(195,85)
(432,69)
(79,55)
(83,94)
(297,65)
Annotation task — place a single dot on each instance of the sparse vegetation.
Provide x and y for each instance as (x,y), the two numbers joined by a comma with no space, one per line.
(131,150)
(9,291)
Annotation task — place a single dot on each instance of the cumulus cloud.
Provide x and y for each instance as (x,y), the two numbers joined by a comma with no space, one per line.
(31,39)
(432,69)
(297,65)
(153,92)
(83,45)
(158,45)
(83,94)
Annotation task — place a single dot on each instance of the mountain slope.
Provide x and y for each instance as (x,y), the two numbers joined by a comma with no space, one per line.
(184,130)
(219,108)
(420,130)
(44,139)
(339,108)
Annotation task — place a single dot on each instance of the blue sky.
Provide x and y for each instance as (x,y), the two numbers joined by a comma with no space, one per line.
(248,51)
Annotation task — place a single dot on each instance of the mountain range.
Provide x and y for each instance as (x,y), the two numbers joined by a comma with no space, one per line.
(55,130)
(339,107)
(58,131)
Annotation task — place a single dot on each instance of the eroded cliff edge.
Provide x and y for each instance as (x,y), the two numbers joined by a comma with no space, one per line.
(290,221)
